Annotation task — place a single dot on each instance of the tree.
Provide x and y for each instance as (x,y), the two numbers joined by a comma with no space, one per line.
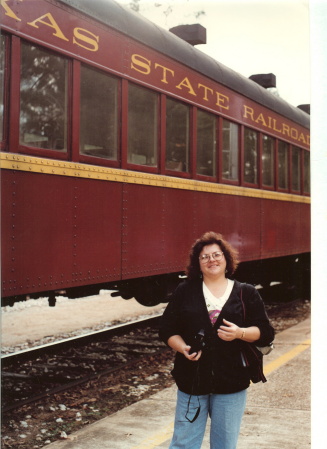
(165,7)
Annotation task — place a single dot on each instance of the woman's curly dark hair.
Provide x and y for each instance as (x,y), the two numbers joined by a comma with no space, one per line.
(193,270)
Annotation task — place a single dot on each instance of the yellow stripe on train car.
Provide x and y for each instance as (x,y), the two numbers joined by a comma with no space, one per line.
(73,169)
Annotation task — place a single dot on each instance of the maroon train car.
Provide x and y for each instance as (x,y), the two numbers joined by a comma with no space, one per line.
(121,144)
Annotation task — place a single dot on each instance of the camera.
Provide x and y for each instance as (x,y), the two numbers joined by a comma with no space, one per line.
(198,343)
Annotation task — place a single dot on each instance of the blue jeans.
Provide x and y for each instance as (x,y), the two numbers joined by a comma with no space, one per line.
(225,410)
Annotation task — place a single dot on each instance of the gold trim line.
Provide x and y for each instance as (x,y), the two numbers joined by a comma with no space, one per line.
(63,168)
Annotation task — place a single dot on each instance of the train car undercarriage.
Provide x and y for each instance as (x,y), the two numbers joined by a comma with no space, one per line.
(293,271)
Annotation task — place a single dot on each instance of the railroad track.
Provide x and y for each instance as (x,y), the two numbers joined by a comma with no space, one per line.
(35,373)
(30,375)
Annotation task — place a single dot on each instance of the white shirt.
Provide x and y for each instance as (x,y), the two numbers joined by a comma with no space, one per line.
(214,304)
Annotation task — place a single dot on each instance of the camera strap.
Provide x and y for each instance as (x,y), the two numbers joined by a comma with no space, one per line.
(194,414)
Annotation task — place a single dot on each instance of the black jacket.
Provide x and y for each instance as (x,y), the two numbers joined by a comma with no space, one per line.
(220,368)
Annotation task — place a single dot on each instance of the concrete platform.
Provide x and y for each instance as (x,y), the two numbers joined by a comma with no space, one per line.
(277,415)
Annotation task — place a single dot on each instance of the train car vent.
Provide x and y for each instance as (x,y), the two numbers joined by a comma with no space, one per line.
(305,108)
(265,80)
(193,34)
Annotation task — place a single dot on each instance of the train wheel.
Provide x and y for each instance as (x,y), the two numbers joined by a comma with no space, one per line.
(148,295)
(148,301)
(150,292)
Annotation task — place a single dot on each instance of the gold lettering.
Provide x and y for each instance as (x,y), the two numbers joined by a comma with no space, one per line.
(141,64)
(248,112)
(221,99)
(92,41)
(261,119)
(274,128)
(206,89)
(50,23)
(286,129)
(294,133)
(186,83)
(270,122)
(9,12)
(301,137)
(164,74)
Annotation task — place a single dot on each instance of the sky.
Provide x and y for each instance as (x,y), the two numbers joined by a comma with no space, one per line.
(249,36)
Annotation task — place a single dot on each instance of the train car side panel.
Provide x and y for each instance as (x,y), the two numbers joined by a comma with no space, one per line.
(282,233)
(59,233)
(97,225)
(40,207)
(180,226)
(157,225)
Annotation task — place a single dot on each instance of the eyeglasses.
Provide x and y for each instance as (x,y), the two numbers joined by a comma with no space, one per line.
(206,257)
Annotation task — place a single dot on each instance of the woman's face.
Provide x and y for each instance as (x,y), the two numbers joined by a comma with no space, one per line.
(214,266)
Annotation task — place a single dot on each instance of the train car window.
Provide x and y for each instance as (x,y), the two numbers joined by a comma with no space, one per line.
(296,169)
(282,165)
(206,144)
(306,186)
(250,156)
(268,151)
(2,81)
(98,114)
(230,151)
(142,126)
(306,172)
(43,99)
(177,136)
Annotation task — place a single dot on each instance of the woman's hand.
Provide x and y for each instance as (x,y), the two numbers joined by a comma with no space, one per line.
(229,332)
(194,356)
(177,343)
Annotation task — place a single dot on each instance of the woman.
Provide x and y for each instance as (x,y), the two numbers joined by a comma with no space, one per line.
(212,379)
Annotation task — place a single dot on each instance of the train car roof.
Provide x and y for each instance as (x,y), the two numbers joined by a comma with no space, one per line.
(143,30)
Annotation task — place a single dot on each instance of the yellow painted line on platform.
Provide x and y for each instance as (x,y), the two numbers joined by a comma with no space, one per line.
(156,439)
(272,366)
(166,433)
